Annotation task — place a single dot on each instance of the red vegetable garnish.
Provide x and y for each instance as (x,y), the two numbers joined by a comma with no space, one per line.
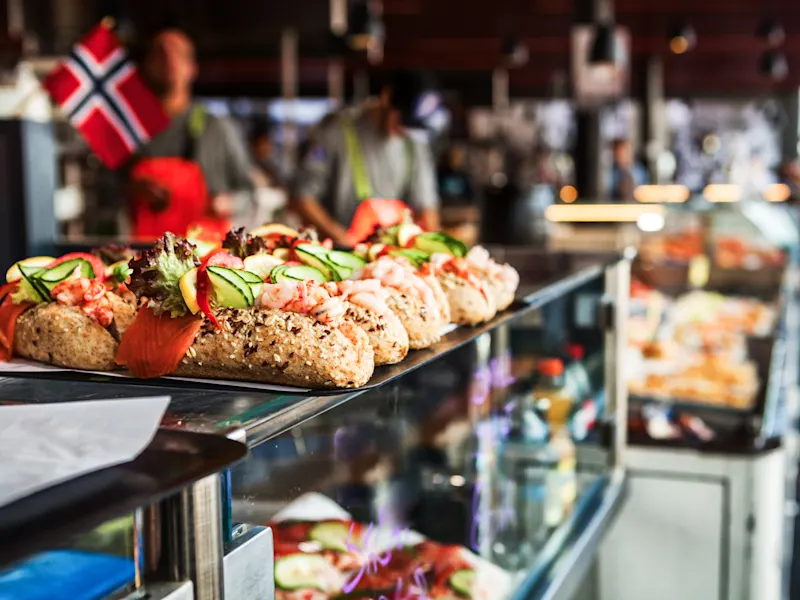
(327,243)
(9,312)
(385,251)
(153,346)
(204,296)
(98,266)
(222,258)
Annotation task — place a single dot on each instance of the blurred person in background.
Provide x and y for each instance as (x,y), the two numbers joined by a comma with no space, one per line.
(460,211)
(270,194)
(626,172)
(371,153)
(198,169)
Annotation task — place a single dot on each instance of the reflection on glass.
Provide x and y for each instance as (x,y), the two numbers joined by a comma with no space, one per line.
(481,455)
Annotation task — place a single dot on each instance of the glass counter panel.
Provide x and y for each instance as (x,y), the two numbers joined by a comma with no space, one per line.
(463,450)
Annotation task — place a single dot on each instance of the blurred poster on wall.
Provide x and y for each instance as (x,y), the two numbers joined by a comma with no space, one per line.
(595,84)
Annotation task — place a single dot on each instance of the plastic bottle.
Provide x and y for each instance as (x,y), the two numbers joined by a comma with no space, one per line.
(575,374)
(555,404)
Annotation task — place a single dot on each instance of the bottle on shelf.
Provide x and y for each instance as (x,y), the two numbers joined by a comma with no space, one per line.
(555,404)
(576,377)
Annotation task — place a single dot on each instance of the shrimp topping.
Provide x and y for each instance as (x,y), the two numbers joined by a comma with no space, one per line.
(400,275)
(446,263)
(305,297)
(89,295)
(479,259)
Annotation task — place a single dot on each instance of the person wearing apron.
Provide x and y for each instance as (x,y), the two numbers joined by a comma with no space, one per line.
(190,173)
(369,157)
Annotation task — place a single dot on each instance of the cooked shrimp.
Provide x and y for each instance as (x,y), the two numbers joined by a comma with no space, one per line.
(370,302)
(329,311)
(278,295)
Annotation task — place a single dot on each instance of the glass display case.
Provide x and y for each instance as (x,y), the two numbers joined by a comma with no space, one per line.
(496,455)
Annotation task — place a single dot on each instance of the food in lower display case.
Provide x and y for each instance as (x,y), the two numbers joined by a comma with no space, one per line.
(69,311)
(328,558)
(699,350)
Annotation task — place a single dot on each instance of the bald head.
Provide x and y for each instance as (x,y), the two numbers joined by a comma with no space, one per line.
(170,65)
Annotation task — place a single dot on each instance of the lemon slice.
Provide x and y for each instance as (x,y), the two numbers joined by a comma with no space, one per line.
(188,287)
(282,254)
(274,229)
(14,274)
(261,264)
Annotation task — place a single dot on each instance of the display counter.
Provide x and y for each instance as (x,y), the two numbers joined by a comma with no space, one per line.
(451,448)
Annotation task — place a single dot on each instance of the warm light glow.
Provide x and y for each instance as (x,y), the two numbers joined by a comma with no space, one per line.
(777,192)
(600,213)
(651,222)
(722,192)
(653,194)
(568,194)
(679,44)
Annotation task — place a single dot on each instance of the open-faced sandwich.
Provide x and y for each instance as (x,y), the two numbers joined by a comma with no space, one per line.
(219,318)
(365,301)
(418,304)
(69,311)
(476,286)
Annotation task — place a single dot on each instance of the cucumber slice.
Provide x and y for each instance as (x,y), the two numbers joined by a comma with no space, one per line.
(50,278)
(417,257)
(332,535)
(253,280)
(27,273)
(462,581)
(35,263)
(346,259)
(230,290)
(440,242)
(275,274)
(316,250)
(298,571)
(303,273)
(249,277)
(308,254)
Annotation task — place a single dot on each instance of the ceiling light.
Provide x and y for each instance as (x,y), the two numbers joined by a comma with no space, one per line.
(603,50)
(772,32)
(773,64)
(682,38)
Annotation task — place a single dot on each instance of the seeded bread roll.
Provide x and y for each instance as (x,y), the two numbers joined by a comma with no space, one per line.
(468,304)
(65,336)
(422,325)
(275,346)
(386,333)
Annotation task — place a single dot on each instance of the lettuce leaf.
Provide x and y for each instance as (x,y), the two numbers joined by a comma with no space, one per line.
(156,273)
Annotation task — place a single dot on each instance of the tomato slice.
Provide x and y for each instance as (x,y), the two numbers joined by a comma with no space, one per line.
(327,243)
(9,313)
(153,346)
(222,258)
(98,266)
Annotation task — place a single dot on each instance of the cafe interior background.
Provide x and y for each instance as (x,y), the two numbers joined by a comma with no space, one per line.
(687,474)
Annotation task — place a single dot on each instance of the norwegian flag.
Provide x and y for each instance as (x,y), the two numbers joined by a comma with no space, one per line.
(105,98)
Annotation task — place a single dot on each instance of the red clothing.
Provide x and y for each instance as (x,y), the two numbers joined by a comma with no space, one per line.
(188,200)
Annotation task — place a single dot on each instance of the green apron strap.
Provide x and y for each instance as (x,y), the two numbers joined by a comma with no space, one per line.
(356,157)
(410,160)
